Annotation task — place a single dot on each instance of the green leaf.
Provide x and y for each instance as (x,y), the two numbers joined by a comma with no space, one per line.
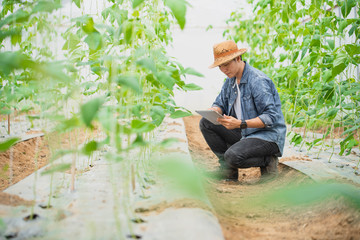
(191,87)
(315,42)
(72,42)
(147,63)
(191,71)
(180,114)
(137,3)
(19,16)
(89,110)
(340,63)
(68,124)
(344,23)
(157,114)
(166,79)
(352,49)
(331,43)
(131,82)
(62,167)
(346,7)
(10,61)
(46,6)
(90,147)
(128,31)
(77,2)
(178,8)
(7,144)
(282,57)
(327,75)
(138,126)
(94,40)
(331,113)
(16,38)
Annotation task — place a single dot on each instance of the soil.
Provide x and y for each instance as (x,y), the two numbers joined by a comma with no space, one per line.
(244,212)
(29,155)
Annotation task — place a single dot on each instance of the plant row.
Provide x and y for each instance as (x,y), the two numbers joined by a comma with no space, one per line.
(311,51)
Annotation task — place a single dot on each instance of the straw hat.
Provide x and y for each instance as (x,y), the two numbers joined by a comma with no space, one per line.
(225,52)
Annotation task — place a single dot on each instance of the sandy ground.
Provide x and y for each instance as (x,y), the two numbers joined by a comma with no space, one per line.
(242,209)
(244,212)
(29,155)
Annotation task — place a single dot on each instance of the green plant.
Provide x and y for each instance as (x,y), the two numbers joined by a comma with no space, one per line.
(312,54)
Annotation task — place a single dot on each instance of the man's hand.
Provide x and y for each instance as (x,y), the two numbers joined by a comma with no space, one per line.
(229,122)
(216,109)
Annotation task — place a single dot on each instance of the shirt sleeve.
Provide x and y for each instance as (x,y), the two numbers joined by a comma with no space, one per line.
(264,90)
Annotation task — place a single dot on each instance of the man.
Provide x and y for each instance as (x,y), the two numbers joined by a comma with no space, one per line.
(252,132)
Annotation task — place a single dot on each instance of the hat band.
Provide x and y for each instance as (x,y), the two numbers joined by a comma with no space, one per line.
(223,54)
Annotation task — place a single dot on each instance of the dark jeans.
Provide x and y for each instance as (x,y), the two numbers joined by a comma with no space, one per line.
(233,152)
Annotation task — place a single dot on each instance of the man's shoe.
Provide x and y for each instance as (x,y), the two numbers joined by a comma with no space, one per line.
(270,170)
(227,174)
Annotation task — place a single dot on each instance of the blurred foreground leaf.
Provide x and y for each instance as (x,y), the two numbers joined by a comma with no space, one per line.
(307,194)
(57,168)
(89,110)
(180,114)
(178,8)
(7,144)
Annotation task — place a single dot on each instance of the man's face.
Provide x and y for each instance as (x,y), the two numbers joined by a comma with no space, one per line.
(229,68)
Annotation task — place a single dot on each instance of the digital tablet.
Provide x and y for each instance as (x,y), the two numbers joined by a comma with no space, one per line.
(210,115)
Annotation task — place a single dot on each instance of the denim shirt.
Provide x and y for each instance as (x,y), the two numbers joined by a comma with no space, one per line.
(259,98)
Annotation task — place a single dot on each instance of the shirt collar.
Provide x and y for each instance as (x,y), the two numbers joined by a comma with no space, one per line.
(244,78)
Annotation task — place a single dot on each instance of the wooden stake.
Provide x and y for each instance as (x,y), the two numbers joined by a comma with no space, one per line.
(72,187)
(133,178)
(9,124)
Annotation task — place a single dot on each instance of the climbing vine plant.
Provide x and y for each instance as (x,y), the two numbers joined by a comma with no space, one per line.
(114,68)
(311,51)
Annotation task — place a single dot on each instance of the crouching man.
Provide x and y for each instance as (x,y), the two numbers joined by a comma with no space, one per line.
(252,132)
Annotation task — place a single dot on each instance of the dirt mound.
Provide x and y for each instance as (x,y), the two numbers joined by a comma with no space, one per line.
(245,212)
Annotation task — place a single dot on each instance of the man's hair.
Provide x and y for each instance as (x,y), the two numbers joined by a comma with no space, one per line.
(237,57)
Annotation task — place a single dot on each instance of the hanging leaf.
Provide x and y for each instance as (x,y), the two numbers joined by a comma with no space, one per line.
(191,87)
(128,31)
(340,63)
(16,38)
(19,16)
(344,23)
(90,109)
(46,6)
(94,40)
(8,143)
(90,147)
(191,71)
(137,3)
(178,8)
(327,75)
(138,126)
(72,42)
(157,114)
(147,63)
(346,7)
(352,49)
(131,82)
(331,43)
(166,79)
(180,114)
(331,113)
(77,2)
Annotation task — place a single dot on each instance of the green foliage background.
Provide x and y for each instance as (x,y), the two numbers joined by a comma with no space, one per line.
(311,51)
(115,71)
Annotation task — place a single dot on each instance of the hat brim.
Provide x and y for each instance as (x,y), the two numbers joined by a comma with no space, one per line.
(222,60)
